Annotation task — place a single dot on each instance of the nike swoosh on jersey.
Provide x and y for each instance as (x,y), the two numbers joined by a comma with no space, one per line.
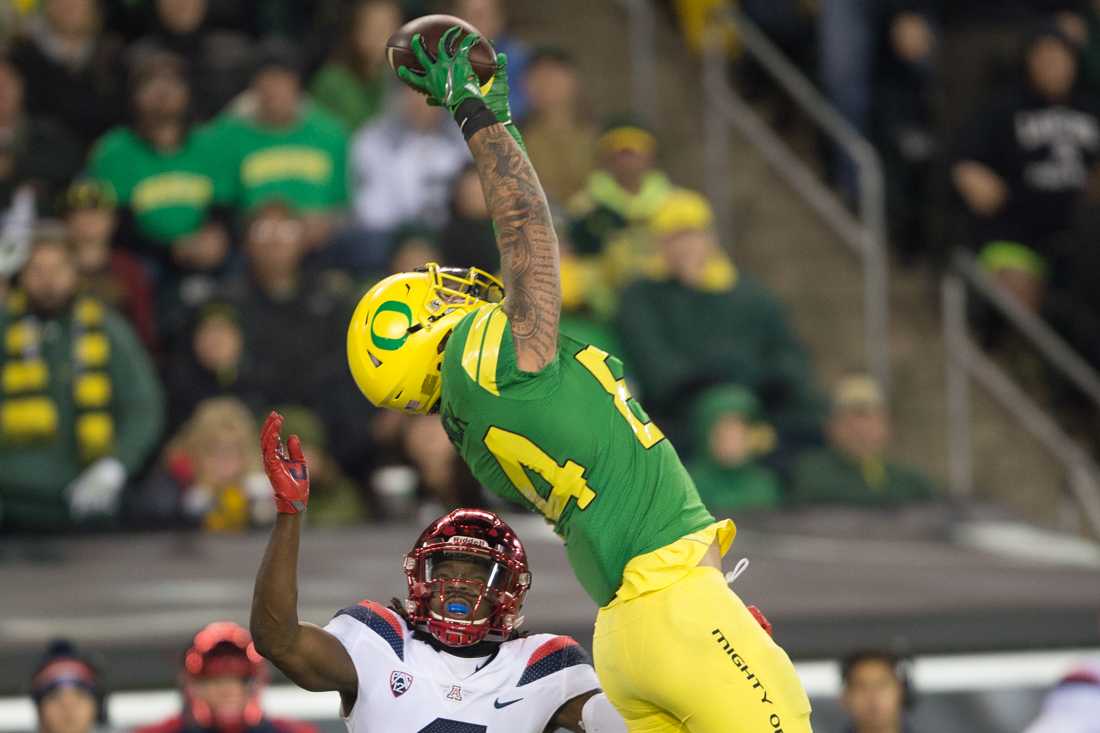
(498,704)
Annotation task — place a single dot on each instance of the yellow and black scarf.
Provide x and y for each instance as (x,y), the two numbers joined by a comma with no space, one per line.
(28,413)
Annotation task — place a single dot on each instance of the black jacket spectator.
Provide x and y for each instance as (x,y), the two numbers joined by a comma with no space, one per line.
(468,240)
(33,151)
(73,74)
(218,60)
(211,362)
(293,321)
(1027,158)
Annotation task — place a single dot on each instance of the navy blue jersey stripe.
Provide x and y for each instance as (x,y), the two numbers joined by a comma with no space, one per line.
(556,661)
(380,621)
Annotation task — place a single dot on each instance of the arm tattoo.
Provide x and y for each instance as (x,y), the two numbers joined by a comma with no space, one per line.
(528,245)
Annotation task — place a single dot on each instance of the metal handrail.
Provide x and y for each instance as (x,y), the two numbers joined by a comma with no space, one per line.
(643,56)
(865,235)
(966,361)
(1052,346)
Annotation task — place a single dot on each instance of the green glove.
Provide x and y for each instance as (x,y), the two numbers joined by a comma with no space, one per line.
(448,80)
(497,101)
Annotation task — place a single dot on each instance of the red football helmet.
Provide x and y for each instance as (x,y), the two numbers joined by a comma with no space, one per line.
(463,560)
(224,649)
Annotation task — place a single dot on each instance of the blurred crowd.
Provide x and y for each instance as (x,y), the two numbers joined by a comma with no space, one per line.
(196,192)
(986,115)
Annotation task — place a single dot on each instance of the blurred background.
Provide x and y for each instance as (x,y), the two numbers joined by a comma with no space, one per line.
(847,250)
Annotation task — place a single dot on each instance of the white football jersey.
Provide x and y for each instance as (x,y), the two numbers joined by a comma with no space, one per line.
(405,686)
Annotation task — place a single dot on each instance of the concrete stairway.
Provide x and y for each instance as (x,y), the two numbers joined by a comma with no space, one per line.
(782,241)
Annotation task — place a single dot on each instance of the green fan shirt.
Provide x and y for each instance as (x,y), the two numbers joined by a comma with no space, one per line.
(570,443)
(304,165)
(168,193)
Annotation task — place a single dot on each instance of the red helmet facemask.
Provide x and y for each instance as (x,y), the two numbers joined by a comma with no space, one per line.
(224,649)
(474,568)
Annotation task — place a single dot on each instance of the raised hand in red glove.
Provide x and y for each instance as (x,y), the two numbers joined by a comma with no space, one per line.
(285,467)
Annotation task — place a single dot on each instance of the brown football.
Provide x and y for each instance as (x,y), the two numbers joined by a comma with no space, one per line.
(431,28)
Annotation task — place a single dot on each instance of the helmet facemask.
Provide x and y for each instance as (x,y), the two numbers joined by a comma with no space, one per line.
(462,595)
(462,285)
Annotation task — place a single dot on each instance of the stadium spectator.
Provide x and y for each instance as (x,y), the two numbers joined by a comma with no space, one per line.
(211,362)
(875,692)
(222,681)
(444,480)
(730,437)
(610,216)
(1073,706)
(1025,163)
(67,691)
(210,474)
(218,60)
(352,85)
(414,247)
(33,151)
(169,177)
(560,138)
(334,500)
(109,273)
(468,240)
(490,17)
(876,60)
(587,303)
(72,71)
(705,323)
(402,166)
(82,408)
(853,468)
(285,147)
(289,315)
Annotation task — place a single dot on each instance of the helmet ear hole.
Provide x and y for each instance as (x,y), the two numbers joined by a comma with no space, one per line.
(374,359)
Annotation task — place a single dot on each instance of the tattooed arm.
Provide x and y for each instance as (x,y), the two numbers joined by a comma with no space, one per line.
(528,245)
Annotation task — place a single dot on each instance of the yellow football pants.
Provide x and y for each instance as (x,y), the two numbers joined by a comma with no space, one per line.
(690,657)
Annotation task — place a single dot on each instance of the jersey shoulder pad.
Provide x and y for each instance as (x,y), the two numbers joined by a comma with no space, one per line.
(381,621)
(482,346)
(553,654)
(485,358)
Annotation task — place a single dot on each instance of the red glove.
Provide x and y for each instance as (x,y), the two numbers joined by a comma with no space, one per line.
(761,619)
(287,471)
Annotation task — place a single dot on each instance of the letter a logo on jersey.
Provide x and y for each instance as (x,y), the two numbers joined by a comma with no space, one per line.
(400,682)
(455,693)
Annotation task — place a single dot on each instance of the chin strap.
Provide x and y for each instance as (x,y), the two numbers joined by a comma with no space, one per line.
(599,716)
(480,649)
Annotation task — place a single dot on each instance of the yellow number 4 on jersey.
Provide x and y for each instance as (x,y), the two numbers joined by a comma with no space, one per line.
(514,451)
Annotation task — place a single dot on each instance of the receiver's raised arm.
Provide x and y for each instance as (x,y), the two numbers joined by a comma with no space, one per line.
(310,656)
(527,241)
(524,229)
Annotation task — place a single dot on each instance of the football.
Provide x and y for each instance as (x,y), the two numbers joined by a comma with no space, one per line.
(431,28)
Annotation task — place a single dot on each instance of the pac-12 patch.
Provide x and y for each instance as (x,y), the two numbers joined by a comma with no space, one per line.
(400,682)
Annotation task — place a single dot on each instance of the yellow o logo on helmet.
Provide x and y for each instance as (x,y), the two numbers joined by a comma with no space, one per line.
(394,327)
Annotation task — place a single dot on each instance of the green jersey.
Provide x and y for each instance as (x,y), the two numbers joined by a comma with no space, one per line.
(570,443)
(169,193)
